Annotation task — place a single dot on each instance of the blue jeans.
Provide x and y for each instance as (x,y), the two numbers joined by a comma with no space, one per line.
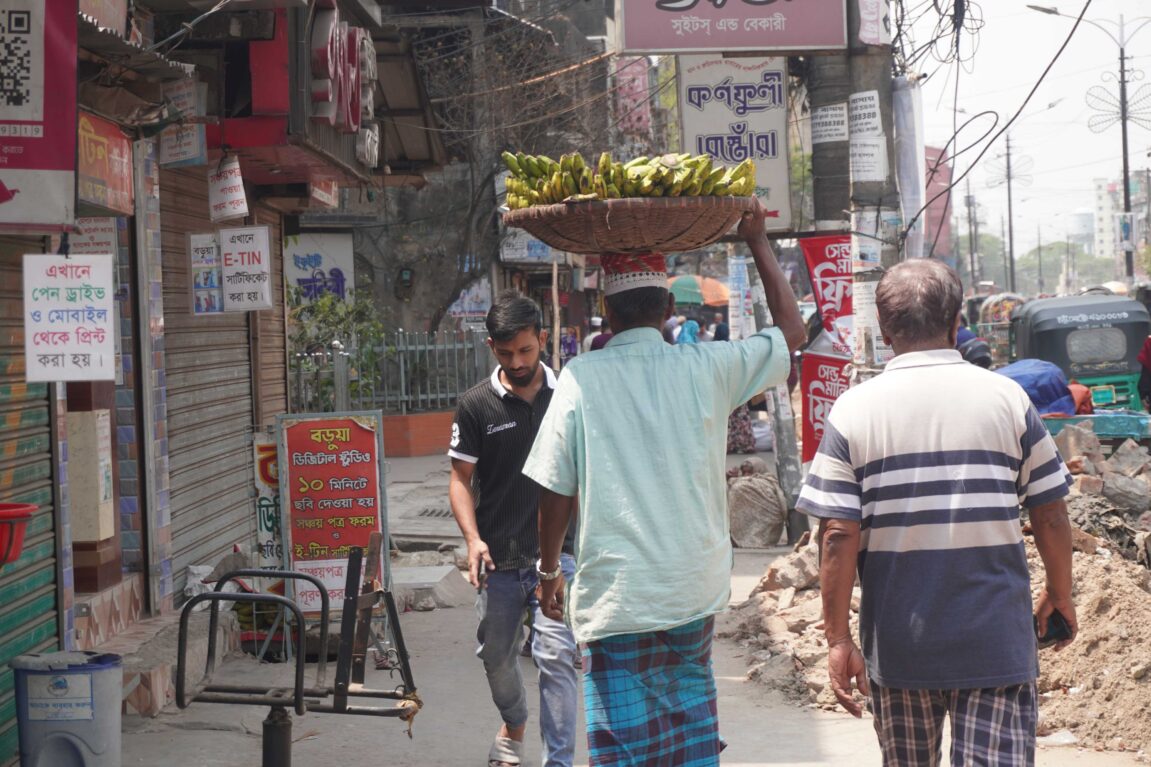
(509,594)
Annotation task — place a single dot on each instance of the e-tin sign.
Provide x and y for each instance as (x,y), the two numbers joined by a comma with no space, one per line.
(729,26)
(246,260)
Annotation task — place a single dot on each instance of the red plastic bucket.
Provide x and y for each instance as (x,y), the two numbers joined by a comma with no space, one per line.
(13,521)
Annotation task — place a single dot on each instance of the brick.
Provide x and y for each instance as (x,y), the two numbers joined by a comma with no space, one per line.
(1089,485)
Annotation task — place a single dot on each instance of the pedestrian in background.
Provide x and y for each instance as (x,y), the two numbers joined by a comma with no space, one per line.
(496,508)
(917,485)
(654,547)
(596,332)
(688,333)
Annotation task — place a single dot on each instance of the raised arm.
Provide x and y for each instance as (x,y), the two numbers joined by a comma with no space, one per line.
(780,299)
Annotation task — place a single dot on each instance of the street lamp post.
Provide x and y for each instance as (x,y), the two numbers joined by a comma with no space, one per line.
(1124,113)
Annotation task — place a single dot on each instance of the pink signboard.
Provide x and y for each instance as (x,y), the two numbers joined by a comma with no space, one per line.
(716,26)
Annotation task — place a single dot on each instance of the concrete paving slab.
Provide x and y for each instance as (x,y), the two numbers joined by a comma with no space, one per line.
(443,585)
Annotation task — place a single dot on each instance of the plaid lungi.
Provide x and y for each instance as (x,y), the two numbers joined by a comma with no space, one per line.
(994,727)
(650,699)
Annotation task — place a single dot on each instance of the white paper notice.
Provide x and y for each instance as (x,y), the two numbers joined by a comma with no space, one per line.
(829,123)
(246,258)
(69,331)
(868,159)
(865,118)
(226,198)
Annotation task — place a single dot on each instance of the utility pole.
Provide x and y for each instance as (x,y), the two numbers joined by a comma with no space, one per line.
(1003,248)
(1039,234)
(969,201)
(1010,224)
(1129,243)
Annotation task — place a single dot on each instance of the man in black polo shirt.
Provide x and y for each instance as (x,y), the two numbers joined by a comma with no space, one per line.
(497,507)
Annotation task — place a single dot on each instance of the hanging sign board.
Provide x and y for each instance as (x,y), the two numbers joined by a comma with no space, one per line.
(735,110)
(331,491)
(185,143)
(37,115)
(105,170)
(207,278)
(69,331)
(226,198)
(319,263)
(729,26)
(246,268)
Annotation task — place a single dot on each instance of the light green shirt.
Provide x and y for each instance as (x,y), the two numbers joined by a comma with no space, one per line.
(639,429)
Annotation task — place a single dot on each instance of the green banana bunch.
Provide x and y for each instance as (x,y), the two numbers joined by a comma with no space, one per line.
(540,180)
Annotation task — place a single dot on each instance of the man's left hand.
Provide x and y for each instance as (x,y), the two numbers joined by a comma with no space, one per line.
(551,597)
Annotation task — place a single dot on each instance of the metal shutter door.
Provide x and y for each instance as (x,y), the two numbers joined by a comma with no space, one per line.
(271,343)
(208,372)
(28,599)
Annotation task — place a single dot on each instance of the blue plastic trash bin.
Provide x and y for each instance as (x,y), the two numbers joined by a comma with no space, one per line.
(68,709)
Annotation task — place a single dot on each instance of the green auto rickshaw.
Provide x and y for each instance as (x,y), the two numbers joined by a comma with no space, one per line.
(1094,339)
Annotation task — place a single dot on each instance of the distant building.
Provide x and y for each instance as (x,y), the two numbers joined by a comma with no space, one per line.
(1081,229)
(1107,204)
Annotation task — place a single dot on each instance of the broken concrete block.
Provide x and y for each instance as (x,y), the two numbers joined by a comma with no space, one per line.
(799,570)
(1085,542)
(1129,459)
(786,598)
(1077,439)
(1089,485)
(1127,494)
(802,615)
(1075,465)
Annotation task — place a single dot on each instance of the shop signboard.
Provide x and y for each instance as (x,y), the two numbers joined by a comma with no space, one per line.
(315,264)
(331,490)
(519,247)
(734,110)
(246,268)
(185,143)
(823,378)
(37,127)
(105,170)
(69,331)
(830,266)
(207,278)
(226,197)
(730,26)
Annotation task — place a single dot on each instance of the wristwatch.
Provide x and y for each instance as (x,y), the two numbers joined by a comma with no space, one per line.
(546,576)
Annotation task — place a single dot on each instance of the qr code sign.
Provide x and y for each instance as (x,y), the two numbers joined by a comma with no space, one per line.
(22,60)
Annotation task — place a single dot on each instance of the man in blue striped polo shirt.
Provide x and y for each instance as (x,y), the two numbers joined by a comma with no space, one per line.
(918,484)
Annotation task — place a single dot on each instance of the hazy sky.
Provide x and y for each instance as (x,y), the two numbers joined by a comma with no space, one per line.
(1012,49)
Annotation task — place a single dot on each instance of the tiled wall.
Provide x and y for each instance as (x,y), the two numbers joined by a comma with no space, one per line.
(127,458)
(64,522)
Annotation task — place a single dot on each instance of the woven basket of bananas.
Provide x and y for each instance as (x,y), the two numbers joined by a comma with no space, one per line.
(668,203)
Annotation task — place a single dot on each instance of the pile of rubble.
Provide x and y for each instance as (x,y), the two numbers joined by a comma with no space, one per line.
(1094,693)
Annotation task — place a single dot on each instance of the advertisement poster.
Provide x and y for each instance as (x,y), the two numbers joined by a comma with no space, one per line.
(330,486)
(740,311)
(269,541)
(226,197)
(207,278)
(95,236)
(822,379)
(715,26)
(69,332)
(37,131)
(246,268)
(316,264)
(829,264)
(735,110)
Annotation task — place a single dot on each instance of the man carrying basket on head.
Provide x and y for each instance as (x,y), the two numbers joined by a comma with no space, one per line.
(654,552)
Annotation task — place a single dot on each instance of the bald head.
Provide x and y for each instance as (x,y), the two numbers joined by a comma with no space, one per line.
(918,301)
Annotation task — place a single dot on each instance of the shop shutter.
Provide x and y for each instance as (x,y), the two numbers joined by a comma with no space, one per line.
(28,597)
(208,371)
(270,343)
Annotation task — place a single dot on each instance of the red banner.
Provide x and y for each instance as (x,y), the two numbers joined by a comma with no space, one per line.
(822,379)
(105,169)
(829,264)
(37,115)
(330,470)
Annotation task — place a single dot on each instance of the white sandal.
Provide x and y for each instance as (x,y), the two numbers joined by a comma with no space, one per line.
(505,751)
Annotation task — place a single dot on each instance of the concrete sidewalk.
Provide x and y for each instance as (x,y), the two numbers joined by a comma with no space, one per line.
(458,721)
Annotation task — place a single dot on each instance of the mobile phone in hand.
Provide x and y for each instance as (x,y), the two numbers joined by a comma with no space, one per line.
(1058,629)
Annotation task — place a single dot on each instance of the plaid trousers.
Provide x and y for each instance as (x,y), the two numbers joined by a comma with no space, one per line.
(993,727)
(651,699)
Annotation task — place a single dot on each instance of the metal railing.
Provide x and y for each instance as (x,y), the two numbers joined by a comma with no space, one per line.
(408,372)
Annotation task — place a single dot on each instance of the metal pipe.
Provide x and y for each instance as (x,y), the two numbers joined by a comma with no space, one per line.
(277,748)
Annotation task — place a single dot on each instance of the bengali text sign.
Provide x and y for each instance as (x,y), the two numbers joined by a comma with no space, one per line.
(69,332)
(330,475)
(246,264)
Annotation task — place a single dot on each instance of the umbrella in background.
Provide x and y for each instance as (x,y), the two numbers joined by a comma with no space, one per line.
(691,289)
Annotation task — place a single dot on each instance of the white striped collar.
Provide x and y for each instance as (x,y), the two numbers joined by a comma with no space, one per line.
(501,390)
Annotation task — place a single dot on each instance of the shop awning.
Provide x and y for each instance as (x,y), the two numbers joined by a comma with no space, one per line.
(111,46)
